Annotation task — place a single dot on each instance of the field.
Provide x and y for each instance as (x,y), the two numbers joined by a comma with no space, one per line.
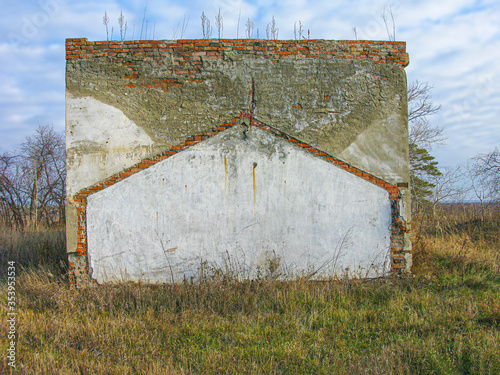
(445,320)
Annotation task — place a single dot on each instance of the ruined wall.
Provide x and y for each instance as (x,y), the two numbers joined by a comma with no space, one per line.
(136,103)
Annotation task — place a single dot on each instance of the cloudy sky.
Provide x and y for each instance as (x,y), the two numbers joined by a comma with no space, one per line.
(454,45)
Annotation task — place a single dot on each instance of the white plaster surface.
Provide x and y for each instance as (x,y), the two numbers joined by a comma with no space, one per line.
(232,204)
(100,141)
(376,150)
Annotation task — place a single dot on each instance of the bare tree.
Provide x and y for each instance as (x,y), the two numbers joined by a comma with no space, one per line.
(447,186)
(476,185)
(12,202)
(44,168)
(483,175)
(488,167)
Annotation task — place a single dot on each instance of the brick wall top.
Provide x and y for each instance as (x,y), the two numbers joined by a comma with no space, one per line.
(189,49)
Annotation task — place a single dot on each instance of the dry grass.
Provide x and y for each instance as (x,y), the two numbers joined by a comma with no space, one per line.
(33,249)
(444,321)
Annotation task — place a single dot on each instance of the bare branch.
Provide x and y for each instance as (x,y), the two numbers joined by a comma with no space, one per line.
(420,106)
(423,134)
(419,100)
(487,167)
(44,173)
(447,185)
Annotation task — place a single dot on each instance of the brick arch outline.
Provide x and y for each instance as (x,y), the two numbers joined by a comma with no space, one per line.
(78,263)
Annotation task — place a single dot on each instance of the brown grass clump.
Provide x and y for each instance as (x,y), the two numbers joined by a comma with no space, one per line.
(32,249)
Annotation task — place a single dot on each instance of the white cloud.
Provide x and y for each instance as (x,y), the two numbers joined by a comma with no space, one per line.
(457,53)
(453,44)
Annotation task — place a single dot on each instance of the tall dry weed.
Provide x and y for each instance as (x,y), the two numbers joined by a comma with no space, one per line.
(32,249)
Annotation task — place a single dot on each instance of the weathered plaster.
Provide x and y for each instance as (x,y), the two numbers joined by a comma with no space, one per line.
(322,102)
(239,199)
(100,141)
(378,143)
(128,102)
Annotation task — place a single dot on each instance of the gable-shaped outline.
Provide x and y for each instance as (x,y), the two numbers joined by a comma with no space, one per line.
(78,261)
